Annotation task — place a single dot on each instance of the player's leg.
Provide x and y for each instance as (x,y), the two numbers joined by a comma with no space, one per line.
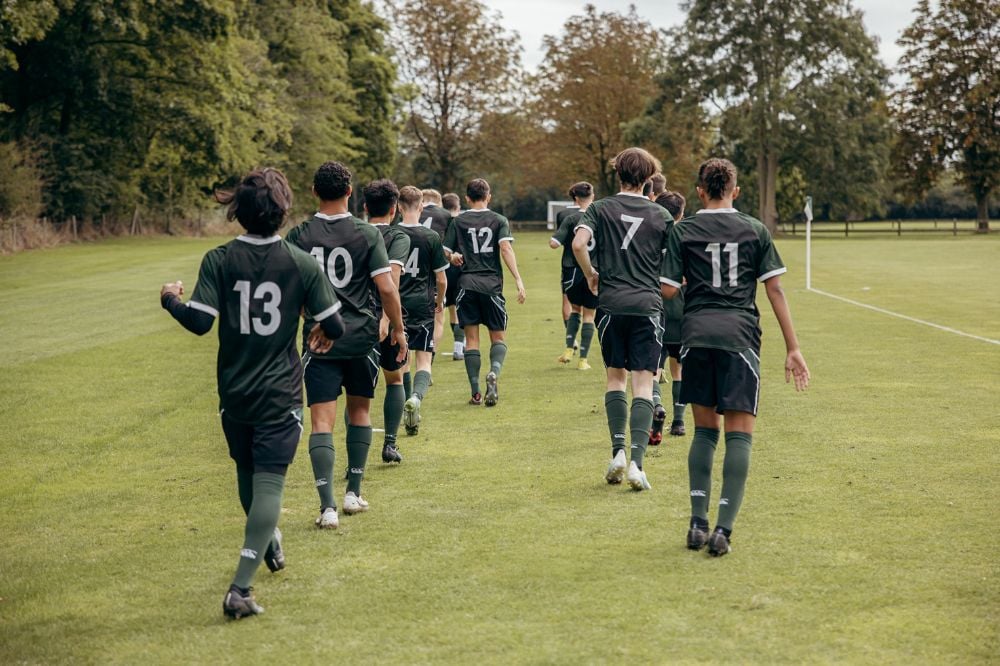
(659,413)
(468,304)
(573,322)
(421,385)
(615,399)
(495,318)
(701,392)
(739,391)
(567,309)
(451,300)
(323,380)
(360,389)
(438,328)
(586,334)
(677,424)
(644,341)
(392,411)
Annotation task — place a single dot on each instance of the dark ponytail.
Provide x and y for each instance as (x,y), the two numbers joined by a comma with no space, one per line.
(717,177)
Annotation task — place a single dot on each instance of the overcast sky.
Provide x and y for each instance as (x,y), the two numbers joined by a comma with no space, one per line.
(534,19)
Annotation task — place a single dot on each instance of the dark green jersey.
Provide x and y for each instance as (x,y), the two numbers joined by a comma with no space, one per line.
(722,253)
(476,235)
(631,235)
(397,248)
(566,221)
(352,253)
(256,287)
(417,285)
(436,219)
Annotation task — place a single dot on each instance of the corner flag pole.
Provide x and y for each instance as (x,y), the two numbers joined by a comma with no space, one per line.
(809,218)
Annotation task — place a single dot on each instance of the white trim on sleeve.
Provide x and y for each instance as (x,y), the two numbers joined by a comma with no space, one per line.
(583,226)
(556,240)
(396,261)
(379,271)
(329,312)
(201,307)
(447,249)
(668,281)
(443,268)
(506,238)
(771,274)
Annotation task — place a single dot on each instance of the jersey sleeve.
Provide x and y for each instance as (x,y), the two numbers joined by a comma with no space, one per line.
(503,230)
(588,220)
(378,258)
(320,299)
(293,234)
(769,263)
(206,296)
(398,249)
(672,269)
(451,237)
(564,233)
(438,261)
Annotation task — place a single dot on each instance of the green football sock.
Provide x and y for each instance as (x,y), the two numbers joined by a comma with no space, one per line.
(261,521)
(700,469)
(586,335)
(244,485)
(640,421)
(675,390)
(572,327)
(473,363)
(458,332)
(392,409)
(735,467)
(421,384)
(657,399)
(359,438)
(616,405)
(407,386)
(498,352)
(322,456)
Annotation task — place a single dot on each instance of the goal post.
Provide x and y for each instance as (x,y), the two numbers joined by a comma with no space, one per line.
(553,210)
(808,211)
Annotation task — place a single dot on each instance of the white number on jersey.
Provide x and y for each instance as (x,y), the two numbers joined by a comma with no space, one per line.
(270,294)
(482,240)
(337,280)
(427,222)
(630,234)
(716,250)
(412,266)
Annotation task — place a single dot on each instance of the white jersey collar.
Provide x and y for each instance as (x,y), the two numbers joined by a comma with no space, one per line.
(254,239)
(633,194)
(706,211)
(331,218)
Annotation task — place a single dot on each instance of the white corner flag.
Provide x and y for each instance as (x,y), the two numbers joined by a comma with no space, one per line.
(808,211)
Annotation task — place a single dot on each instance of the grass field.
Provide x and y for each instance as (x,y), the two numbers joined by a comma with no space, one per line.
(866,535)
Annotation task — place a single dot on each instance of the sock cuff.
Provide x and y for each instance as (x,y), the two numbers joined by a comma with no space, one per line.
(359,434)
(497,345)
(613,396)
(319,439)
(642,401)
(707,433)
(264,480)
(472,352)
(590,324)
(575,315)
(422,372)
(733,437)
(399,388)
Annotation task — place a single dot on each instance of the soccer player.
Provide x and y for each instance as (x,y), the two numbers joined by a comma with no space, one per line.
(657,186)
(352,253)
(476,241)
(630,233)
(453,205)
(673,313)
(256,286)
(422,297)
(721,254)
(583,302)
(380,198)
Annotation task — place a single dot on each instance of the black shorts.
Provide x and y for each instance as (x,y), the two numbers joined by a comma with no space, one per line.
(670,350)
(420,337)
(267,448)
(387,355)
(475,308)
(451,293)
(632,342)
(325,377)
(577,291)
(728,381)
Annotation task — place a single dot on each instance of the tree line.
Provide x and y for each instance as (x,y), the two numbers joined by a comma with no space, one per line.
(111,107)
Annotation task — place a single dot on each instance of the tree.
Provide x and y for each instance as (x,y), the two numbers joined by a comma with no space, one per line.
(596,76)
(780,60)
(948,112)
(458,65)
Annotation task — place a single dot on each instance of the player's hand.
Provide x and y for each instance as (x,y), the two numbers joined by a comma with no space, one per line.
(456,259)
(795,368)
(175,288)
(399,338)
(383,329)
(592,282)
(318,342)
(439,307)
(521,294)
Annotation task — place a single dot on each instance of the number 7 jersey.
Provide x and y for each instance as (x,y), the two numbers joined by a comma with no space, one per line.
(476,235)
(723,254)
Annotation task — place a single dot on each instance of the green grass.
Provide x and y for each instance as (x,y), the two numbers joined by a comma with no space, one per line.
(866,535)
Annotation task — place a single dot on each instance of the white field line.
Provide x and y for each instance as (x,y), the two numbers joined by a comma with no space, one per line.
(907,318)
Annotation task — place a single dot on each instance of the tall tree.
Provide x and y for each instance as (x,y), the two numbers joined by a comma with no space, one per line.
(459,65)
(778,58)
(948,110)
(596,76)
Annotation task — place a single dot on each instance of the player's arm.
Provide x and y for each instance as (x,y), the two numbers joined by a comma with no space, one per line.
(580,241)
(439,264)
(672,268)
(561,235)
(395,270)
(393,310)
(197,320)
(451,245)
(506,243)
(795,363)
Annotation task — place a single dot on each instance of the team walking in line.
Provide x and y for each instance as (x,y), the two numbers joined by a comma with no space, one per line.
(660,290)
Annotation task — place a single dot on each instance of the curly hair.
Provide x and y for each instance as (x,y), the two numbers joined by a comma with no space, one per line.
(581,190)
(260,202)
(380,196)
(332,181)
(717,177)
(635,166)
